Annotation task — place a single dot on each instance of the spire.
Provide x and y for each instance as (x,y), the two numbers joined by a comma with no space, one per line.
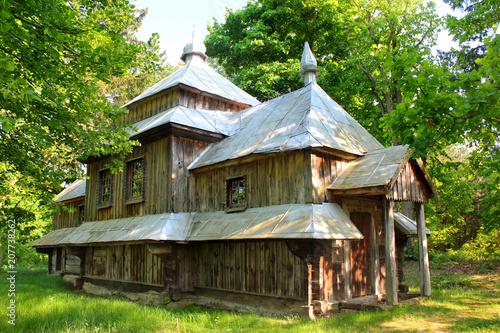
(194,48)
(308,65)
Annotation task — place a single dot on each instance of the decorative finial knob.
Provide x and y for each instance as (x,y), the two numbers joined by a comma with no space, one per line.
(308,65)
(195,47)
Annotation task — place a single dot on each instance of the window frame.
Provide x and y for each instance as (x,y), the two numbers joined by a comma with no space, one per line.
(81,214)
(240,206)
(101,186)
(129,198)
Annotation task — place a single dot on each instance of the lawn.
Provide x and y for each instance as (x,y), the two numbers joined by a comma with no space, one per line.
(465,298)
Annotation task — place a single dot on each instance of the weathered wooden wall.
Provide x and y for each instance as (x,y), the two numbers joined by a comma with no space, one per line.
(173,97)
(167,180)
(279,179)
(66,219)
(125,263)
(325,169)
(372,206)
(266,267)
(409,186)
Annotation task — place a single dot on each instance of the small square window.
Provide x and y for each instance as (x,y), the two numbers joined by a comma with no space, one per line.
(135,179)
(104,188)
(236,194)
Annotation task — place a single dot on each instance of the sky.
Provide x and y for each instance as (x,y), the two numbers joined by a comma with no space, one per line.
(174,21)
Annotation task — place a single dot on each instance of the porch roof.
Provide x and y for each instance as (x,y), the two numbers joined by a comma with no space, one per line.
(297,221)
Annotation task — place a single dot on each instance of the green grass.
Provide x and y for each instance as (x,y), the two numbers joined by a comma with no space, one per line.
(461,302)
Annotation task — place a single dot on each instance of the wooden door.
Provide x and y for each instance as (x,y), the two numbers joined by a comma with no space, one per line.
(360,257)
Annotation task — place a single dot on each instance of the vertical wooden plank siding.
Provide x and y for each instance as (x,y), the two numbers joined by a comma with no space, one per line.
(409,186)
(172,97)
(391,284)
(167,182)
(251,267)
(125,263)
(423,255)
(270,181)
(325,169)
(66,219)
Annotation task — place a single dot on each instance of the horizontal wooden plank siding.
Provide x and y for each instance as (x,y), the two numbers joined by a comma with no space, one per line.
(270,181)
(67,219)
(266,268)
(126,263)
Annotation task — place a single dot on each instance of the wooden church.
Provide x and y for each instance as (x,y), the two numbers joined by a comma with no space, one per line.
(291,198)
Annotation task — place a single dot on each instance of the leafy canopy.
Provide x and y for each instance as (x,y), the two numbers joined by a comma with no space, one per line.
(54,54)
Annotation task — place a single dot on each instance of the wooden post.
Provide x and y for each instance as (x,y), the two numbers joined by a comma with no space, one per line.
(390,254)
(423,255)
(347,269)
(310,288)
(375,256)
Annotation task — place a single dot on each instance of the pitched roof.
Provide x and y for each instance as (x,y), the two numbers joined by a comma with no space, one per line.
(305,118)
(73,191)
(376,168)
(198,75)
(213,121)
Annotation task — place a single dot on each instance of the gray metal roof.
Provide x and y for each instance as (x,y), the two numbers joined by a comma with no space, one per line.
(213,121)
(376,168)
(298,221)
(198,75)
(73,191)
(407,226)
(305,118)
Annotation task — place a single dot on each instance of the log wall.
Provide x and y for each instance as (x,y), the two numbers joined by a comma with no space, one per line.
(125,263)
(66,219)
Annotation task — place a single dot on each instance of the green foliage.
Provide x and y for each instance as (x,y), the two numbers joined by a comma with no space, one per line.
(53,56)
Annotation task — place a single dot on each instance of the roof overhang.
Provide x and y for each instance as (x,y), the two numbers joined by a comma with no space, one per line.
(297,221)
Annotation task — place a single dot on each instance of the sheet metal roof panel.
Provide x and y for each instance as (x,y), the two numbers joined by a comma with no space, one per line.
(73,191)
(407,226)
(270,126)
(53,238)
(202,77)
(376,168)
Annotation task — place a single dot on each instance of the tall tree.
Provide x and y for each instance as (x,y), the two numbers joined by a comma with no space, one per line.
(53,55)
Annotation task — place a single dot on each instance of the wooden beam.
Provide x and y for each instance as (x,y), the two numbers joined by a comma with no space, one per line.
(391,284)
(347,268)
(423,255)
(375,265)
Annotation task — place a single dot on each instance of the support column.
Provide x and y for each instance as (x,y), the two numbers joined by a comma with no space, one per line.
(375,264)
(423,255)
(391,283)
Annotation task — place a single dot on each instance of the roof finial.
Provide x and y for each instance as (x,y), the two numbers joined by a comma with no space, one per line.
(195,47)
(308,65)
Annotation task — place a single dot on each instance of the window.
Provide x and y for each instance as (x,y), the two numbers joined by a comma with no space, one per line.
(236,194)
(81,213)
(104,188)
(135,180)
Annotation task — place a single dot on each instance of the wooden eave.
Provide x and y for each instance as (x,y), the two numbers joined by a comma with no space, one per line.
(217,97)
